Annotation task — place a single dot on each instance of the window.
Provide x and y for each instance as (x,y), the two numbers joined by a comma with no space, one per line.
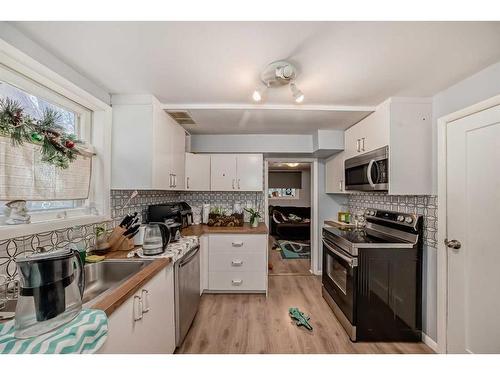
(283,193)
(75,119)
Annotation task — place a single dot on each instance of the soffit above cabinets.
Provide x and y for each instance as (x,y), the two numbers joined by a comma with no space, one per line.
(272,121)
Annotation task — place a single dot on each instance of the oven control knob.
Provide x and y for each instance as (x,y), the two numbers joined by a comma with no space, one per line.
(409,219)
(400,218)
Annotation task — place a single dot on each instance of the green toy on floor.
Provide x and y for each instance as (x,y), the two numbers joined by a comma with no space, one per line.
(300,318)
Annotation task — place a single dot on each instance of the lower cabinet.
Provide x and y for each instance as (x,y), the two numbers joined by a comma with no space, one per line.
(203,264)
(145,323)
(237,262)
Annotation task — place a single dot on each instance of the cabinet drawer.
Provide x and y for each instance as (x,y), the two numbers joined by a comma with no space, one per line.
(237,261)
(223,243)
(244,281)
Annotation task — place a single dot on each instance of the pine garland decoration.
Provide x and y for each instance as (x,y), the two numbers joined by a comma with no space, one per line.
(57,147)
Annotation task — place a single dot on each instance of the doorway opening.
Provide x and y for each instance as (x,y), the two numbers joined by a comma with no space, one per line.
(289,196)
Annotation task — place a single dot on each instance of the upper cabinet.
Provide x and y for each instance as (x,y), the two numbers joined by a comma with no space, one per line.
(403,124)
(369,134)
(148,146)
(334,174)
(236,172)
(197,172)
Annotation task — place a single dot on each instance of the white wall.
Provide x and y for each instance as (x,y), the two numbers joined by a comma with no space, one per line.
(15,38)
(328,206)
(476,88)
(304,194)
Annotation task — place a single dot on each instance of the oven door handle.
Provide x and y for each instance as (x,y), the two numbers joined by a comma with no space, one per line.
(353,262)
(369,173)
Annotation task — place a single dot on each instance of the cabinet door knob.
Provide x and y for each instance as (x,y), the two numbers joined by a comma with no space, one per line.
(237,244)
(363,144)
(233,183)
(137,308)
(237,263)
(187,183)
(145,300)
(357,145)
(237,282)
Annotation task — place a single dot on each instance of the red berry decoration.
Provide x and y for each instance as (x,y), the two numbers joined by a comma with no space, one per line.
(69,144)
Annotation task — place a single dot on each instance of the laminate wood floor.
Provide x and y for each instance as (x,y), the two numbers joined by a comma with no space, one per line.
(282,266)
(252,323)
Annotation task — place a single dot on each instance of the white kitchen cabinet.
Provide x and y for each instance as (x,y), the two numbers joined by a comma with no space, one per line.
(334,174)
(369,134)
(405,125)
(223,172)
(145,322)
(203,264)
(236,172)
(237,262)
(197,172)
(178,156)
(250,172)
(148,146)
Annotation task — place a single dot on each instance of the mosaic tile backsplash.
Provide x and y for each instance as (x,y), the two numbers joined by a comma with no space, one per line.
(84,236)
(422,205)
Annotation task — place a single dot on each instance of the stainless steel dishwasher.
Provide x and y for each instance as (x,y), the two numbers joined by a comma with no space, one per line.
(187,292)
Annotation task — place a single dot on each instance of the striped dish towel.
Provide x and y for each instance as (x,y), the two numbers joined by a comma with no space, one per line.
(85,334)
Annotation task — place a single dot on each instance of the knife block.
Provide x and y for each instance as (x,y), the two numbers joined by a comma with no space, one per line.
(118,241)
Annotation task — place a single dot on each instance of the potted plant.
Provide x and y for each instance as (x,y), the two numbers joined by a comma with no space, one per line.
(254,217)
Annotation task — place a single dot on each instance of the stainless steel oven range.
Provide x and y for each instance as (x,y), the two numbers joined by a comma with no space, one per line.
(372,277)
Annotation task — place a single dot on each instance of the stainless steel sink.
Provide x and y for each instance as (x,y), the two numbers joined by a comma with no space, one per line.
(100,278)
(106,275)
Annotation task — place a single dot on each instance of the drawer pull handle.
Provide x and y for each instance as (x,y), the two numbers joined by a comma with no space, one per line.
(237,263)
(237,282)
(238,244)
(137,308)
(145,299)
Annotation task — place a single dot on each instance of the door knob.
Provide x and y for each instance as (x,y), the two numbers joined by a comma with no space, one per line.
(453,244)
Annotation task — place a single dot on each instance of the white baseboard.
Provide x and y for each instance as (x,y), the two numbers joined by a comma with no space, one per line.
(429,342)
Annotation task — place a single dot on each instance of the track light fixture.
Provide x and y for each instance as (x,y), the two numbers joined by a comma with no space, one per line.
(297,94)
(257,95)
(277,74)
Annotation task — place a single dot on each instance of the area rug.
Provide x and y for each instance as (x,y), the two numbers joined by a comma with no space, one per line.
(294,250)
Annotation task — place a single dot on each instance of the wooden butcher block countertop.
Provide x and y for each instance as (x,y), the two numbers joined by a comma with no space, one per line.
(114,299)
(201,229)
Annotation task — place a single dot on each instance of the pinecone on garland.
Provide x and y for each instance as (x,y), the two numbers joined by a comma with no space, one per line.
(11,114)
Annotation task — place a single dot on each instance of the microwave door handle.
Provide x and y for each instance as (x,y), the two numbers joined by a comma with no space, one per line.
(369,173)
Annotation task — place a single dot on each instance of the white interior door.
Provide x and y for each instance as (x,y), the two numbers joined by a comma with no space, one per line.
(473,204)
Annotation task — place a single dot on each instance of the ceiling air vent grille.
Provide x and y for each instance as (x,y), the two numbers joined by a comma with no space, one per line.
(182,117)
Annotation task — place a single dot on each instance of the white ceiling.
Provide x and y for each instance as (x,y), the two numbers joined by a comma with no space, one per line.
(264,121)
(340,63)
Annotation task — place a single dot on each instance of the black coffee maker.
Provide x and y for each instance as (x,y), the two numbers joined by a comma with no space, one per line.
(176,215)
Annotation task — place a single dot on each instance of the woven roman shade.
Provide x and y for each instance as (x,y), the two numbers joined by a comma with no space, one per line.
(24,176)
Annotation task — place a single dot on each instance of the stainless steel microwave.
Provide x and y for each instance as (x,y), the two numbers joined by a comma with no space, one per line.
(369,171)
